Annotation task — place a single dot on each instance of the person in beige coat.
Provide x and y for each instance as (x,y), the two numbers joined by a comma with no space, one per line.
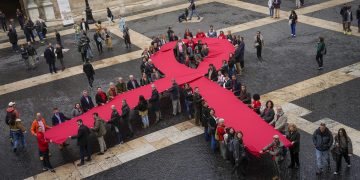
(280,120)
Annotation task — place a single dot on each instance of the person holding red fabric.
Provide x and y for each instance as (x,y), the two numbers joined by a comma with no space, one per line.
(256,104)
(111,93)
(100,97)
(38,122)
(220,131)
(200,34)
(43,146)
(276,149)
(222,35)
(190,43)
(187,33)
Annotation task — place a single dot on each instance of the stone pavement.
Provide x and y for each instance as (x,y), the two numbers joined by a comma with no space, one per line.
(288,75)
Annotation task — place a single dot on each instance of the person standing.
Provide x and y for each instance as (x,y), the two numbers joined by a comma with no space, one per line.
(276,4)
(13,38)
(294,137)
(11,115)
(219,136)
(77,30)
(88,69)
(239,154)
(86,102)
(77,111)
(348,19)
(58,117)
(189,99)
(198,103)
(39,121)
(175,97)
(28,30)
(110,15)
(115,123)
(142,107)
(358,18)
(212,129)
(193,9)
(204,119)
(343,16)
(50,58)
(20,17)
(98,39)
(125,115)
(39,30)
(298,3)
(58,37)
(108,39)
(180,51)
(268,113)
(121,86)
(132,83)
(258,44)
(126,36)
(280,121)
(212,33)
(3,21)
(84,25)
(101,97)
(271,8)
(275,149)
(17,131)
(155,102)
(25,56)
(82,142)
(33,59)
(320,52)
(322,139)
(60,55)
(100,130)
(292,21)
(343,148)
(43,146)
(239,55)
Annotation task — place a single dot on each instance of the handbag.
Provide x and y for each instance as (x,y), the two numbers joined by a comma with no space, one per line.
(290,21)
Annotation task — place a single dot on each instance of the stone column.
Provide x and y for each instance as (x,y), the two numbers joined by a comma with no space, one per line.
(32,9)
(48,7)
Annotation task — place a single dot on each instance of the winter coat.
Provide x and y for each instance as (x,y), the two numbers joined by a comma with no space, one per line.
(155,100)
(99,127)
(294,137)
(322,141)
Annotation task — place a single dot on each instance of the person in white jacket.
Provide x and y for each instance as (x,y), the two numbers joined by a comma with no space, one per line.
(271,8)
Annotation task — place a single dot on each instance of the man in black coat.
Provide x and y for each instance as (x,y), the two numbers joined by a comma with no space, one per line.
(86,102)
(49,55)
(58,117)
(155,102)
(89,71)
(198,103)
(84,25)
(13,38)
(82,142)
(3,21)
(239,55)
(132,83)
(175,97)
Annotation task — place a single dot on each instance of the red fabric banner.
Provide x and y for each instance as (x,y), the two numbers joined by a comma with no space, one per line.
(257,133)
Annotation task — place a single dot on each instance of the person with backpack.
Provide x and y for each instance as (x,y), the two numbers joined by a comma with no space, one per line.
(278,152)
(183,16)
(320,52)
(25,56)
(11,115)
(17,131)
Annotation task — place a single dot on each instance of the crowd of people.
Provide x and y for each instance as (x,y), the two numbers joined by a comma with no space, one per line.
(226,140)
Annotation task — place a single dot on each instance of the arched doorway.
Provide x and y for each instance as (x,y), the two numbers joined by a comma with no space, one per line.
(9,8)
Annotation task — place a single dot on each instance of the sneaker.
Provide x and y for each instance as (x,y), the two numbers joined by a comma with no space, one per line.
(52,170)
(45,169)
(336,173)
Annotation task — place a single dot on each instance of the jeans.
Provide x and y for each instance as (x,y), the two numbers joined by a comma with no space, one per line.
(176,106)
(84,151)
(322,159)
(145,120)
(344,153)
(41,36)
(293,28)
(102,143)
(45,159)
(77,37)
(52,67)
(206,133)
(18,137)
(213,143)
(189,108)
(271,12)
(194,12)
(319,59)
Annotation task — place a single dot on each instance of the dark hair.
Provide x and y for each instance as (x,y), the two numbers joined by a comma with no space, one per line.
(79,120)
(256,97)
(269,101)
(321,39)
(141,98)
(344,134)
(96,114)
(55,108)
(239,132)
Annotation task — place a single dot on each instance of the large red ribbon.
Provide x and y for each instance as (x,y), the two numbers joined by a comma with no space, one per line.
(257,133)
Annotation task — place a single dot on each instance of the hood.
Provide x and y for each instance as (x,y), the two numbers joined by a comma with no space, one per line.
(10,109)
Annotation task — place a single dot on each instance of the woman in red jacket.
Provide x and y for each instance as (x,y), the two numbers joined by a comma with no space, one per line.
(44,150)
(220,131)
